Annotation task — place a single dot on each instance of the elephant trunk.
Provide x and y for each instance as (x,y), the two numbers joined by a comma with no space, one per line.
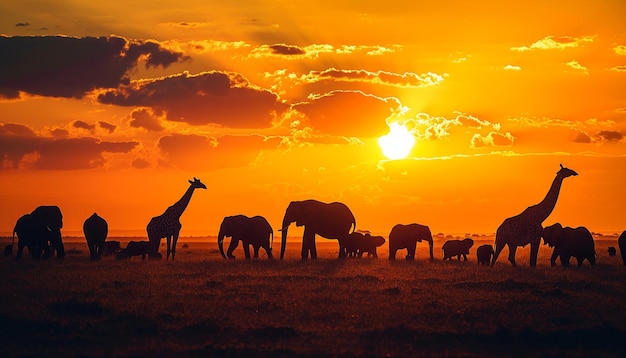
(220,242)
(283,242)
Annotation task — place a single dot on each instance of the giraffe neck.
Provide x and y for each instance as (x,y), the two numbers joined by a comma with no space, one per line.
(179,207)
(545,207)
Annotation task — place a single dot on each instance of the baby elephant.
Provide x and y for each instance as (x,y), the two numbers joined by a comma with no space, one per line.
(138,248)
(457,248)
(568,242)
(484,253)
(612,251)
(356,244)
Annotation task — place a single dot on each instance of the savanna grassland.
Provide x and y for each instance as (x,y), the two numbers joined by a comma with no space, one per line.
(202,305)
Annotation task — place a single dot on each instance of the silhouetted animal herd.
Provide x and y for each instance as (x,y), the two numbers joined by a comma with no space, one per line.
(40,233)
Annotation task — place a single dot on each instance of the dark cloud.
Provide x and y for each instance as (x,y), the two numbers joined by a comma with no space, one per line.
(146,119)
(139,163)
(196,152)
(70,67)
(20,147)
(582,138)
(107,126)
(84,125)
(60,133)
(226,99)
(22,24)
(610,136)
(282,49)
(349,113)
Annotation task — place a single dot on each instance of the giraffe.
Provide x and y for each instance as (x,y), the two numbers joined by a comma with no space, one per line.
(525,228)
(167,225)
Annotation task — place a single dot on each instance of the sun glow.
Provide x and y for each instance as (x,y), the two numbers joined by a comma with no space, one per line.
(397,144)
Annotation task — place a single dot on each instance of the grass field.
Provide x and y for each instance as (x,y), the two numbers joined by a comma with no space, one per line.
(202,305)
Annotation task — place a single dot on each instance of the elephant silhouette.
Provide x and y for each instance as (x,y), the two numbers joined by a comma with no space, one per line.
(484,254)
(611,250)
(138,248)
(356,244)
(328,220)
(255,231)
(96,230)
(40,232)
(621,243)
(407,237)
(569,242)
(457,248)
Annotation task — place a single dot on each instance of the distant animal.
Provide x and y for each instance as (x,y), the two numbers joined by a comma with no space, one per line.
(407,237)
(110,248)
(167,225)
(525,228)
(569,242)
(457,248)
(138,248)
(621,242)
(96,230)
(484,253)
(255,231)
(356,244)
(612,251)
(8,250)
(40,232)
(328,220)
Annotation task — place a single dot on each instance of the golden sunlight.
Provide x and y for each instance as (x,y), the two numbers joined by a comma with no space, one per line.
(397,144)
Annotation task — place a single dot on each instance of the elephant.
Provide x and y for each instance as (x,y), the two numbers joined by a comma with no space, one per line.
(612,251)
(484,253)
(457,248)
(328,220)
(407,237)
(356,244)
(255,231)
(40,232)
(568,242)
(110,248)
(621,242)
(138,248)
(95,229)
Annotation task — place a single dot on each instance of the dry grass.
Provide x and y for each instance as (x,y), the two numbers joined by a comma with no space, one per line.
(203,305)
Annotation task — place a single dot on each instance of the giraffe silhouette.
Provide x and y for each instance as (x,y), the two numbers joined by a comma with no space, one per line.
(525,228)
(167,225)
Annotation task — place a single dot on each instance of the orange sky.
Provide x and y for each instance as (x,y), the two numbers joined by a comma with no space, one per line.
(112,108)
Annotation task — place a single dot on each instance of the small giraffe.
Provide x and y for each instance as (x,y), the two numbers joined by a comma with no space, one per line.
(167,225)
(526,228)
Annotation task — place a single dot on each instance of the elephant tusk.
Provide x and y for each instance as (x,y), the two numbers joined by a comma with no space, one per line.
(283,229)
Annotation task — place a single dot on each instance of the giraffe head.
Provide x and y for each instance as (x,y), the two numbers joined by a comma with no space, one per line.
(566,172)
(196,183)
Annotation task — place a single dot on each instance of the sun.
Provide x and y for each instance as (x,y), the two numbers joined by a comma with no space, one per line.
(397,144)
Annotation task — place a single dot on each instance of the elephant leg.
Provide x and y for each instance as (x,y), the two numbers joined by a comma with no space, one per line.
(411,252)
(231,247)
(430,247)
(256,251)
(534,250)
(499,247)
(512,250)
(464,257)
(308,245)
(246,250)
(580,261)
(392,253)
(553,258)
(565,260)
(343,251)
(268,250)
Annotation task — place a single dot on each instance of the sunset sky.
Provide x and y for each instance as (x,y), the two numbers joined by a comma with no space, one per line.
(112,107)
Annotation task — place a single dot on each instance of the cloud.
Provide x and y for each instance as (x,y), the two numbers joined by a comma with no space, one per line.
(578,67)
(620,50)
(282,49)
(22,24)
(512,68)
(582,137)
(610,136)
(145,118)
(84,125)
(198,152)
(139,163)
(349,113)
(107,126)
(555,42)
(21,147)
(70,67)
(407,79)
(619,68)
(226,99)
(493,139)
(315,50)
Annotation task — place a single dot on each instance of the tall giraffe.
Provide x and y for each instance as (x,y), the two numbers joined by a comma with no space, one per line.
(167,225)
(525,228)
